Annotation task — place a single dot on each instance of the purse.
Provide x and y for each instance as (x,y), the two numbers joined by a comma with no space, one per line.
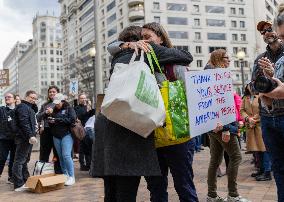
(77,130)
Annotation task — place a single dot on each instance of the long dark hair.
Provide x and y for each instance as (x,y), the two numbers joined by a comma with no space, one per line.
(130,34)
(160,32)
(49,88)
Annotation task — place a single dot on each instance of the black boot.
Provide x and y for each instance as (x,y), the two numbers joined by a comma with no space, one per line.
(259,172)
(266,176)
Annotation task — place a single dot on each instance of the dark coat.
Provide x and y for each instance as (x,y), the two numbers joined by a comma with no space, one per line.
(82,113)
(5,134)
(26,120)
(63,120)
(118,151)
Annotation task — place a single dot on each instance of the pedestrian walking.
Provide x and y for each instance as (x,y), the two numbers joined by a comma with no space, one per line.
(25,114)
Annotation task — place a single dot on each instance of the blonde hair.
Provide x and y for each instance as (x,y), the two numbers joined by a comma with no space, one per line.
(217,58)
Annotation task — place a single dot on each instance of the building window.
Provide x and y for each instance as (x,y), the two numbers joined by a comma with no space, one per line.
(241,11)
(111,6)
(199,63)
(112,31)
(178,35)
(197,36)
(235,50)
(196,8)
(215,9)
(182,48)
(212,48)
(120,12)
(196,22)
(176,7)
(156,5)
(237,76)
(198,49)
(157,19)
(233,11)
(111,18)
(243,37)
(233,23)
(51,59)
(51,52)
(216,36)
(242,24)
(234,37)
(177,21)
(121,25)
(244,49)
(215,23)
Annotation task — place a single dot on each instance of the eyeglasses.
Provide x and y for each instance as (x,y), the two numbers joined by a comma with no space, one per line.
(269,29)
(33,98)
(8,96)
(226,57)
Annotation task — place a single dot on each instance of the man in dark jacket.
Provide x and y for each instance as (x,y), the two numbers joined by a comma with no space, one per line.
(26,122)
(272,110)
(84,112)
(7,143)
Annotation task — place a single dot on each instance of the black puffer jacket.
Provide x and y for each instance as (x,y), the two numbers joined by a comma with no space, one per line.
(164,55)
(26,120)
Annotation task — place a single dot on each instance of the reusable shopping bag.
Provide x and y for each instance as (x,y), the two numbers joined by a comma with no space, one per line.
(133,99)
(176,127)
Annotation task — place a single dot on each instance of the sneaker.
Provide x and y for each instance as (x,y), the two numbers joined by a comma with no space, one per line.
(70,181)
(236,199)
(264,177)
(216,199)
(22,188)
(10,181)
(256,174)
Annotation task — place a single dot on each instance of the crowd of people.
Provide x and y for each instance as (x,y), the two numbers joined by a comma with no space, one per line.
(121,157)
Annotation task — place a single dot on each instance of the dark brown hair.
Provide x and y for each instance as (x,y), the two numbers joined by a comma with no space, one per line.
(131,33)
(52,87)
(29,92)
(217,58)
(160,32)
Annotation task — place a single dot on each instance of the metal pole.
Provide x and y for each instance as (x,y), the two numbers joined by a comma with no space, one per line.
(243,79)
(95,86)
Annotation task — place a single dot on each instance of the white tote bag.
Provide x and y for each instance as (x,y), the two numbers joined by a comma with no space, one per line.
(42,168)
(133,99)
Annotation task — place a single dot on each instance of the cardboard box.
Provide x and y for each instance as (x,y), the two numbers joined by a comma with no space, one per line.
(45,183)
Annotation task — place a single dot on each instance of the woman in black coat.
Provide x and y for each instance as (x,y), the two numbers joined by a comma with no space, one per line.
(120,156)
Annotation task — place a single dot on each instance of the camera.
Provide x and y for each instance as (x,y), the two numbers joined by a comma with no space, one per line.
(264,84)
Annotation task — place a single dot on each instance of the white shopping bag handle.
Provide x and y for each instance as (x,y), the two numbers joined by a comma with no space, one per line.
(134,56)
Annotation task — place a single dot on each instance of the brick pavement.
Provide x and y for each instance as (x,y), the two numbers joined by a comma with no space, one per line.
(90,189)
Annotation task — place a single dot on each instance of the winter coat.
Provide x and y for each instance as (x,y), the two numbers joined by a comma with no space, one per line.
(254,136)
(118,151)
(42,116)
(82,113)
(5,134)
(26,120)
(63,120)
(238,103)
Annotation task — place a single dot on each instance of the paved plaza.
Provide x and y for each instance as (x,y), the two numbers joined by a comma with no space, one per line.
(91,189)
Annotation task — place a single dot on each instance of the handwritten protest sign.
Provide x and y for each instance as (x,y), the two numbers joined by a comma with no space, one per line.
(210,99)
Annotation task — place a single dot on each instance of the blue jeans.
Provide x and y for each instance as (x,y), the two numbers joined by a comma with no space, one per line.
(177,158)
(266,162)
(273,136)
(198,143)
(64,148)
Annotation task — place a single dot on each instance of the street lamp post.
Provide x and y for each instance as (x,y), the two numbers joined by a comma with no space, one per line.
(92,53)
(241,56)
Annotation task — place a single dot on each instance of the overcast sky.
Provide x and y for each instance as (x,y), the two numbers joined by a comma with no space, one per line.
(16,21)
